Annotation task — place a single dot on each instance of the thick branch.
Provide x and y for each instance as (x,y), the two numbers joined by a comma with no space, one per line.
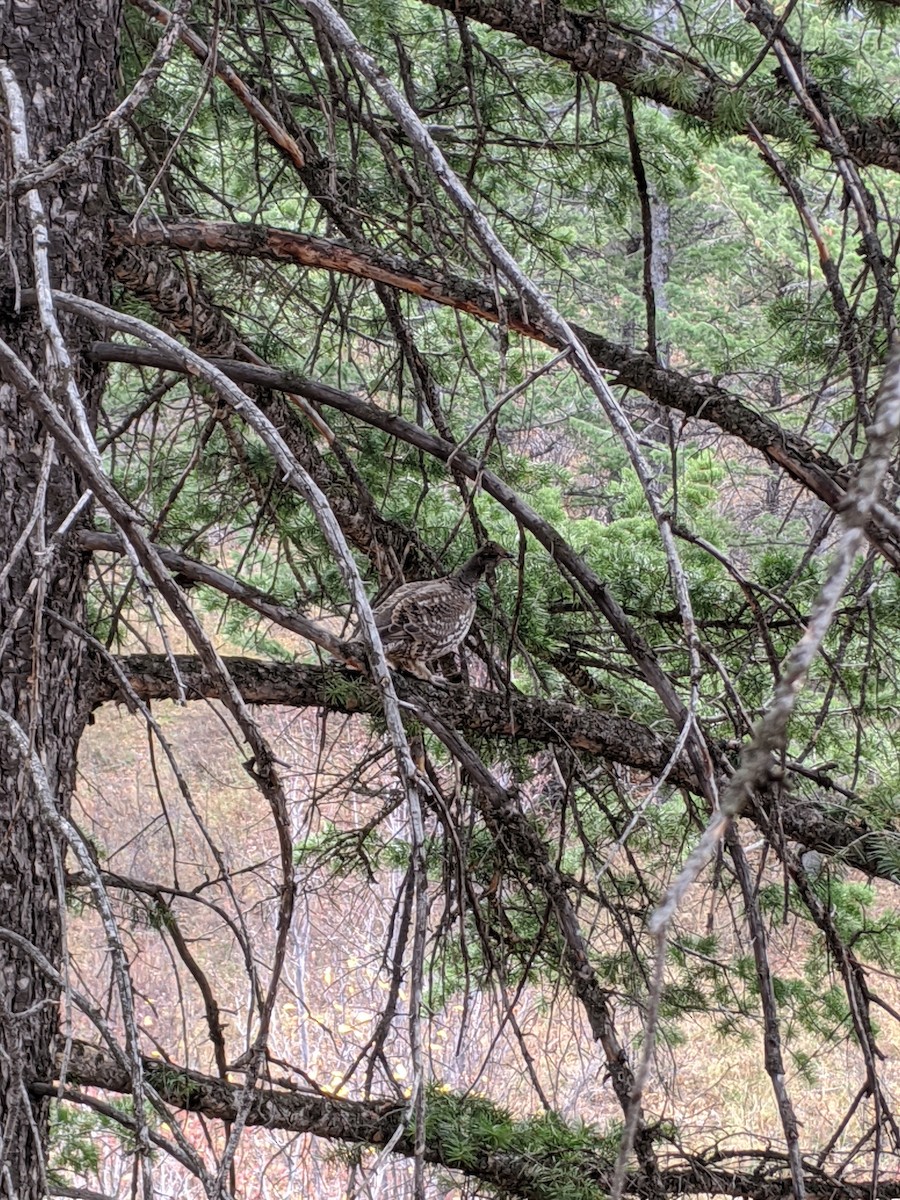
(485,714)
(815,470)
(592,45)
(374,1123)
(478,712)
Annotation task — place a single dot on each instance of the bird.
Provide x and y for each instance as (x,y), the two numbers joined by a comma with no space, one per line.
(425,620)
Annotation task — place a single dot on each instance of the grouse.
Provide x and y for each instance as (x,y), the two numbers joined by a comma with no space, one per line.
(423,621)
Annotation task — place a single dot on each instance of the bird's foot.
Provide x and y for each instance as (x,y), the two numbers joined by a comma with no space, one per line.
(420,671)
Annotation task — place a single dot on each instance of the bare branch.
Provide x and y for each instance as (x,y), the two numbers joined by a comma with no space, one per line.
(757,767)
(758,759)
(482,714)
(199,572)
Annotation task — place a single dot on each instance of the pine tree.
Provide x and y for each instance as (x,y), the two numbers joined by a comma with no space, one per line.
(321,308)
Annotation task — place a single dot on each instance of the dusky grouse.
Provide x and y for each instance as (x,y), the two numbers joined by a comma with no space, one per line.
(423,621)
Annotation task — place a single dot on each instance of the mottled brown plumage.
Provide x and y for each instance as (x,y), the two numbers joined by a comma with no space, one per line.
(421,622)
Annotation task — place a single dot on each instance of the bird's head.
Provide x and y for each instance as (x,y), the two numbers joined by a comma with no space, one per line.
(485,557)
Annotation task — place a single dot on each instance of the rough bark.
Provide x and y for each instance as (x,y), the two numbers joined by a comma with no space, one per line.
(478,712)
(591,43)
(42,667)
(502,718)
(374,1122)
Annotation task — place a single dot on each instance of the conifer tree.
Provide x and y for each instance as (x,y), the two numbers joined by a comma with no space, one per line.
(301,304)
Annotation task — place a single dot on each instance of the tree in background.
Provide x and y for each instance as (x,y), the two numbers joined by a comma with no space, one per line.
(316,307)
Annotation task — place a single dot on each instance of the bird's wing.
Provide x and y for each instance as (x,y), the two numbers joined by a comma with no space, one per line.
(384,613)
(430,613)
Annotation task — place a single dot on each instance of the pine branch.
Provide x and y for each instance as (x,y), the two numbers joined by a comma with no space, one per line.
(510,718)
(634,63)
(756,1173)
(816,471)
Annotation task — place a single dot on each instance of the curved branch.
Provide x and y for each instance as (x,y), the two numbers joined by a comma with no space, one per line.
(194,571)
(815,470)
(185,308)
(822,475)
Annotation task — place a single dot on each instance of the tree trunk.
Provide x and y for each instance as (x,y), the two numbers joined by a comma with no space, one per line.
(64,56)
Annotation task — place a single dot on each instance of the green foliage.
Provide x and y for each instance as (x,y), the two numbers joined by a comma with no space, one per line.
(562,1156)
(73,1146)
(341,853)
(668,84)
(740,301)
(76,1137)
(502,932)
(732,44)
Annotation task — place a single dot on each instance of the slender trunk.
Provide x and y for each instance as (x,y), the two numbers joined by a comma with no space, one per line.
(63,54)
